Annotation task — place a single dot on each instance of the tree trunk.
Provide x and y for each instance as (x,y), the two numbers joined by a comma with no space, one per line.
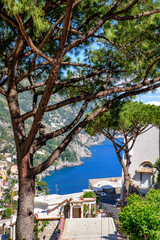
(158,184)
(25,213)
(125,192)
(126,178)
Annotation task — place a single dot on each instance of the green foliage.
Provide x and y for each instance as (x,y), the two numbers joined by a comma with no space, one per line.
(93,210)
(68,155)
(8,172)
(4,113)
(85,209)
(31,8)
(41,187)
(7,212)
(88,195)
(125,116)
(156,165)
(37,229)
(141,218)
(25,105)
(2,158)
(133,42)
(6,199)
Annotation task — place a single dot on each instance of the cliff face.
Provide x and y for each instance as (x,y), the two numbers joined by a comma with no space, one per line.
(81,149)
(86,141)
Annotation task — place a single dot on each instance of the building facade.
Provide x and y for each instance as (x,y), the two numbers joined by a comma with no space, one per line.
(69,205)
(144,153)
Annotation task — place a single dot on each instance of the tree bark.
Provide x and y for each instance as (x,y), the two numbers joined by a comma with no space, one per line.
(125,192)
(25,212)
(125,167)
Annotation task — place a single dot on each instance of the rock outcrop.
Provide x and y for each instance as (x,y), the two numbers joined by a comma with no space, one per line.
(81,149)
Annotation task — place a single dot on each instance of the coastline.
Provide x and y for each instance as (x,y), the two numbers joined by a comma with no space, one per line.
(58,167)
(102,164)
(82,152)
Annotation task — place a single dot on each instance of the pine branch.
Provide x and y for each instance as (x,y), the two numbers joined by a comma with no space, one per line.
(149,68)
(34,86)
(144,14)
(41,140)
(30,43)
(3,92)
(38,169)
(131,90)
(66,25)
(9,19)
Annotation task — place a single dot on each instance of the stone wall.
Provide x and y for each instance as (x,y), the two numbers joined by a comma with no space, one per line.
(50,230)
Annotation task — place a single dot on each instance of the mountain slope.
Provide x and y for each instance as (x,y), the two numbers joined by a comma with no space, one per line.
(52,121)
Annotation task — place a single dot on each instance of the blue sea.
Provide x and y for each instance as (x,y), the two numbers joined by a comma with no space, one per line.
(103,164)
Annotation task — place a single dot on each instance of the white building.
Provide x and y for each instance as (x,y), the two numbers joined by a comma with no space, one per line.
(145,152)
(71,216)
(69,205)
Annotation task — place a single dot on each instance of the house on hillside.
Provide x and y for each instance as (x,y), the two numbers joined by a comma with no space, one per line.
(7,156)
(69,205)
(72,216)
(14,170)
(54,208)
(3,168)
(145,152)
(3,175)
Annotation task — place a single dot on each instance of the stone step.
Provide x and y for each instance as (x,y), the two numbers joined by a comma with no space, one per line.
(89,228)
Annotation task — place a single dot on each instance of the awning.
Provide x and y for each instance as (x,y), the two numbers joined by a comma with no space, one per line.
(144,170)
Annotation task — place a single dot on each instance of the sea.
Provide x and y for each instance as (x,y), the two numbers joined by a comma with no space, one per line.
(103,164)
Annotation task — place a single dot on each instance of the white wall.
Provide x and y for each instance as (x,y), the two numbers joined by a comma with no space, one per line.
(146,148)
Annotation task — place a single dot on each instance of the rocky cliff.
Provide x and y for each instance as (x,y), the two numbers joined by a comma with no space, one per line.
(82,151)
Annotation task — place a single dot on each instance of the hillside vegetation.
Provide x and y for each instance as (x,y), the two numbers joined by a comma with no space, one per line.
(59,119)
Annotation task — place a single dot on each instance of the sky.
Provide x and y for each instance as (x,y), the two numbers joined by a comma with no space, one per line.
(148,97)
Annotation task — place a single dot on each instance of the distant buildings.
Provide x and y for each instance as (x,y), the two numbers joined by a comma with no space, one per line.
(14,169)
(8,158)
(3,167)
(8,172)
(3,175)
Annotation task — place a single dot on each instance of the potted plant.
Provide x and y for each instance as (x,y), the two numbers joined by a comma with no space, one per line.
(85,209)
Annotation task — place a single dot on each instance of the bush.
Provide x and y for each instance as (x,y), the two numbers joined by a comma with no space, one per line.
(89,195)
(7,213)
(141,218)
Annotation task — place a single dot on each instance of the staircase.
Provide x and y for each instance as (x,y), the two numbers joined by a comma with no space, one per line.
(89,229)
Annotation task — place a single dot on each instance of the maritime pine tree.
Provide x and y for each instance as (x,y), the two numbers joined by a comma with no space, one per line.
(39,41)
(130,120)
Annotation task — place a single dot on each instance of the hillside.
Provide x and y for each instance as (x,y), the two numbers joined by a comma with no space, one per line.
(6,135)
(52,122)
